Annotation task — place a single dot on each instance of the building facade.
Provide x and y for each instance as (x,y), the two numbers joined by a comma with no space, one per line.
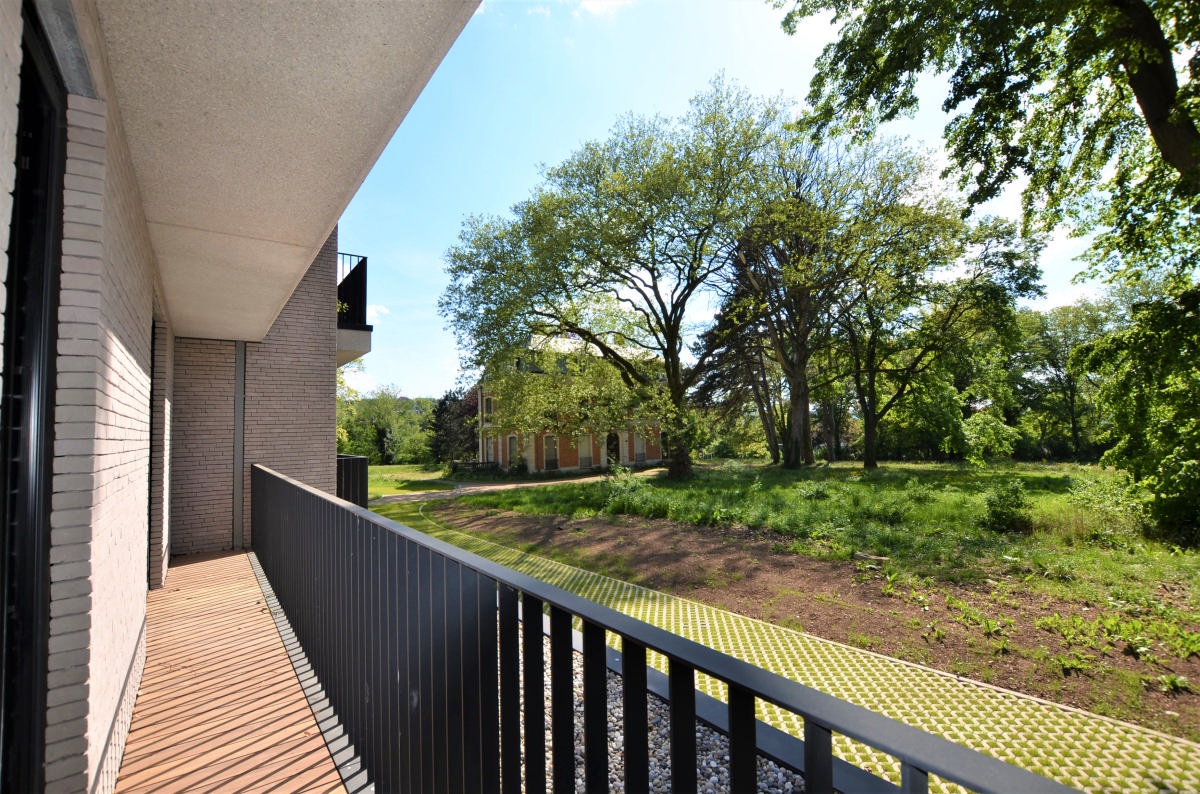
(174,175)
(635,445)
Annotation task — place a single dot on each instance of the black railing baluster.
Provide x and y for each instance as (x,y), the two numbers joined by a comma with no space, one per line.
(398,622)
(411,693)
(562,701)
(682,684)
(913,780)
(488,684)
(344,605)
(742,740)
(818,758)
(470,658)
(595,709)
(393,549)
(533,659)
(510,691)
(452,660)
(365,624)
(637,735)
(425,612)
(440,694)
(359,642)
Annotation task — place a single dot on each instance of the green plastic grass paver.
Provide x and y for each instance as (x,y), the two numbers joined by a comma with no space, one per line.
(1087,751)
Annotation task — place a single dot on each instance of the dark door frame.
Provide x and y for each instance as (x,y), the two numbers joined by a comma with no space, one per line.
(27,425)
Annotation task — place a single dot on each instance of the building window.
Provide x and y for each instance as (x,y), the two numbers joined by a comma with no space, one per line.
(639,448)
(514,453)
(585,451)
(487,409)
(550,444)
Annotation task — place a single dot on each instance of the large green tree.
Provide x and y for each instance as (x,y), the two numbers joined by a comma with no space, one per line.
(938,283)
(742,372)
(1073,95)
(453,425)
(644,218)
(1151,386)
(1053,388)
(386,427)
(832,213)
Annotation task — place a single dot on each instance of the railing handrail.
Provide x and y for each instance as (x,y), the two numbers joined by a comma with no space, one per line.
(346,263)
(914,748)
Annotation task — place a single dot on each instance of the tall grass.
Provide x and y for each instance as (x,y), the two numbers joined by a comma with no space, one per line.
(931,521)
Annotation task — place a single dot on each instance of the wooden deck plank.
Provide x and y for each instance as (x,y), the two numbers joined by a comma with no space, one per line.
(220,708)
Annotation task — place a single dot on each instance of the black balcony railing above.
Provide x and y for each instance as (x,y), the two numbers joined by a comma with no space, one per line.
(352,292)
(352,479)
(419,649)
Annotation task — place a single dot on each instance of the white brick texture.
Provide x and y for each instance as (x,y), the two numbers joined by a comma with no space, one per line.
(99,521)
(201,507)
(291,419)
(10,93)
(289,414)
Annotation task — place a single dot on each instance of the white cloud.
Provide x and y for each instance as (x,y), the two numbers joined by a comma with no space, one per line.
(375,311)
(539,10)
(603,7)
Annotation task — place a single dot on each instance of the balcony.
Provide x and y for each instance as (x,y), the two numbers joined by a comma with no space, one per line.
(412,653)
(353,333)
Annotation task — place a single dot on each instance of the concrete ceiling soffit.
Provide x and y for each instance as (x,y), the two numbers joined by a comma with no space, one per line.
(251,125)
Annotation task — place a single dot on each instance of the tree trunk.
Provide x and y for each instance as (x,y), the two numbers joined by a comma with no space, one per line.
(805,423)
(870,439)
(679,442)
(1073,408)
(766,415)
(680,465)
(798,449)
(829,425)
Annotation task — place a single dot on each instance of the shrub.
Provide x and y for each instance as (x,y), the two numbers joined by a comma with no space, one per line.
(814,490)
(1007,509)
(1119,504)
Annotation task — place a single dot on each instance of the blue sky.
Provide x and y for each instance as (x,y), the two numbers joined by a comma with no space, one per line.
(526,83)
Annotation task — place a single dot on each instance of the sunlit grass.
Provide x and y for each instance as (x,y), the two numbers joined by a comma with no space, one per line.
(925,518)
(407,478)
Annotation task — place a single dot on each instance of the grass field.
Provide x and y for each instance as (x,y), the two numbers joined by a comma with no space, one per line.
(928,520)
(1079,608)
(387,480)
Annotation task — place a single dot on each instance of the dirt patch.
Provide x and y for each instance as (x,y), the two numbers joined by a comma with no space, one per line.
(986,633)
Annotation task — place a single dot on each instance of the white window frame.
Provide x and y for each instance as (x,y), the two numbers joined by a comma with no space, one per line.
(585,443)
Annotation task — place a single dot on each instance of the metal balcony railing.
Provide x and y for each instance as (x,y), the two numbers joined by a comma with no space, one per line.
(419,649)
(352,291)
(352,479)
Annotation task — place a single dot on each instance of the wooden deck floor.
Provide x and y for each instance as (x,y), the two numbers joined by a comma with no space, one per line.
(220,708)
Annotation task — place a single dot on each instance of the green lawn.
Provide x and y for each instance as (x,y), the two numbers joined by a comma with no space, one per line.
(925,518)
(408,478)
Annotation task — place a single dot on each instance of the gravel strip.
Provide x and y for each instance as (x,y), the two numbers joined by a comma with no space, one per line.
(712,748)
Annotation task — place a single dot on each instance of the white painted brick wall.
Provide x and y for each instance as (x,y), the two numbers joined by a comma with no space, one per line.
(202,452)
(290,385)
(99,521)
(10,94)
(161,409)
